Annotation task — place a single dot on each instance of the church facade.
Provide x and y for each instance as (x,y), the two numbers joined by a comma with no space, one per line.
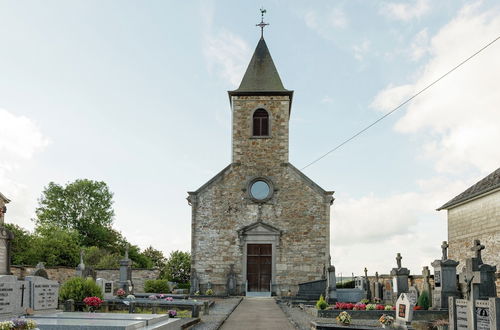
(260,226)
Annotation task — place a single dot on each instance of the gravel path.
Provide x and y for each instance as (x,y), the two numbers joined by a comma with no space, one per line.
(219,312)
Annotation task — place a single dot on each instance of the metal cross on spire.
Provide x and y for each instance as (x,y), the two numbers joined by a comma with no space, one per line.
(262,25)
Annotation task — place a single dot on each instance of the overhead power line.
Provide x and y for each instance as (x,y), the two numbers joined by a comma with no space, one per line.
(401,105)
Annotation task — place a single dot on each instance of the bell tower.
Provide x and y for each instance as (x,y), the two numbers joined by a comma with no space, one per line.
(260,113)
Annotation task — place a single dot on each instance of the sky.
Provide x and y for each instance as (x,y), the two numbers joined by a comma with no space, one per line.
(135,94)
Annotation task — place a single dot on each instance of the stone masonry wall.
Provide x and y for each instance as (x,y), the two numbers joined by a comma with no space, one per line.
(298,207)
(62,274)
(476,219)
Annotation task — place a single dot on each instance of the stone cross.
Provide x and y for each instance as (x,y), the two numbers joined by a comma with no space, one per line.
(366,272)
(444,248)
(126,253)
(376,276)
(398,259)
(426,273)
(477,249)
(262,25)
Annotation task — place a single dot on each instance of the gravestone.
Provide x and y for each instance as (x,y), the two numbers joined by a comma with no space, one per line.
(445,279)
(44,294)
(360,283)
(106,288)
(125,282)
(14,296)
(331,283)
(231,281)
(377,288)
(404,312)
(40,270)
(399,277)
(6,238)
(195,282)
(480,309)
(367,281)
(413,295)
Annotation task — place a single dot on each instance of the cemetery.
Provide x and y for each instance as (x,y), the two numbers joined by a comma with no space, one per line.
(260,237)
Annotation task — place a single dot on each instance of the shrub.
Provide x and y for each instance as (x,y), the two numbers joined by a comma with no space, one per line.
(156,286)
(423,300)
(321,303)
(209,292)
(365,301)
(77,288)
(184,285)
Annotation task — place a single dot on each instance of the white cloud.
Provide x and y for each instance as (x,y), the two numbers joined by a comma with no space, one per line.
(420,45)
(20,140)
(227,54)
(326,21)
(361,50)
(457,119)
(405,11)
(403,222)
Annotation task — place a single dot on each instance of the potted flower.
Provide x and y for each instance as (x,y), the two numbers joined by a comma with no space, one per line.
(441,324)
(172,313)
(92,303)
(386,320)
(209,292)
(344,318)
(121,293)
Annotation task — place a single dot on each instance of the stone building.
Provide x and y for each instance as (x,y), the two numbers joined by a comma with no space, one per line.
(260,220)
(475,214)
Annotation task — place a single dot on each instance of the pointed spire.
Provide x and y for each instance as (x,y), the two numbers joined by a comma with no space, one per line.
(261,74)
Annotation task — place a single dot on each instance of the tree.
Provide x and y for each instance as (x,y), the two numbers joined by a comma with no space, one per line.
(178,267)
(55,247)
(84,206)
(156,257)
(21,243)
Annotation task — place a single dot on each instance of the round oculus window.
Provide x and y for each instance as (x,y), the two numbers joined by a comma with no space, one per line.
(260,190)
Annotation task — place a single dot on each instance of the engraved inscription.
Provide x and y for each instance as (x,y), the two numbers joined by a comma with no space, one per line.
(461,308)
(7,297)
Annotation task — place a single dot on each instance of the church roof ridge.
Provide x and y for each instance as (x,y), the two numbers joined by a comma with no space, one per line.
(261,74)
(5,199)
(487,184)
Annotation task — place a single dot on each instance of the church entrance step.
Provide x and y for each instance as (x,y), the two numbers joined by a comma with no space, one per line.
(258,294)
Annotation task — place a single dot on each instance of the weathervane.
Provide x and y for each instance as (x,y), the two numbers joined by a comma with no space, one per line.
(262,25)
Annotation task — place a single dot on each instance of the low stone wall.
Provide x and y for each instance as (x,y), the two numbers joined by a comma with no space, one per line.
(62,274)
(375,315)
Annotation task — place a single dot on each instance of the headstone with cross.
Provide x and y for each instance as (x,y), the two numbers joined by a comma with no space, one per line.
(445,279)
(480,309)
(126,274)
(399,278)
(14,296)
(368,291)
(426,286)
(377,288)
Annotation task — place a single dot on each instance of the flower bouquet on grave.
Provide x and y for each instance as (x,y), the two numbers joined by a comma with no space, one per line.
(441,324)
(16,324)
(386,320)
(172,313)
(121,293)
(344,318)
(93,303)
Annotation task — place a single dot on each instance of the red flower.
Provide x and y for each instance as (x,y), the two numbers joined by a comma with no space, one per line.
(93,301)
(379,307)
(417,308)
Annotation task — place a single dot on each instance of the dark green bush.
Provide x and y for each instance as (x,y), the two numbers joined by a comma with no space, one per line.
(184,285)
(423,300)
(156,286)
(78,288)
(321,303)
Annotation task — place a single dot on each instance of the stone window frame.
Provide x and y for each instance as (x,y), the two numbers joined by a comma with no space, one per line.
(270,126)
(266,180)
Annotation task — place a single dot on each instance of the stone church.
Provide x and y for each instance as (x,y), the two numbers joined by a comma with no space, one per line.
(260,226)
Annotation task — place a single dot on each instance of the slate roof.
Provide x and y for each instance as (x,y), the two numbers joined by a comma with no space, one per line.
(489,183)
(261,74)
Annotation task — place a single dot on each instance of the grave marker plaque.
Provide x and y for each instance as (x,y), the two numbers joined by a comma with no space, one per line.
(44,293)
(404,311)
(461,306)
(482,311)
(7,297)
(437,278)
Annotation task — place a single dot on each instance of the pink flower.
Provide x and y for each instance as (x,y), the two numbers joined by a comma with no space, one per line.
(379,307)
(93,301)
(169,299)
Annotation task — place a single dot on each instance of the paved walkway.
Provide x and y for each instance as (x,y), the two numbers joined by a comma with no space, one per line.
(257,313)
